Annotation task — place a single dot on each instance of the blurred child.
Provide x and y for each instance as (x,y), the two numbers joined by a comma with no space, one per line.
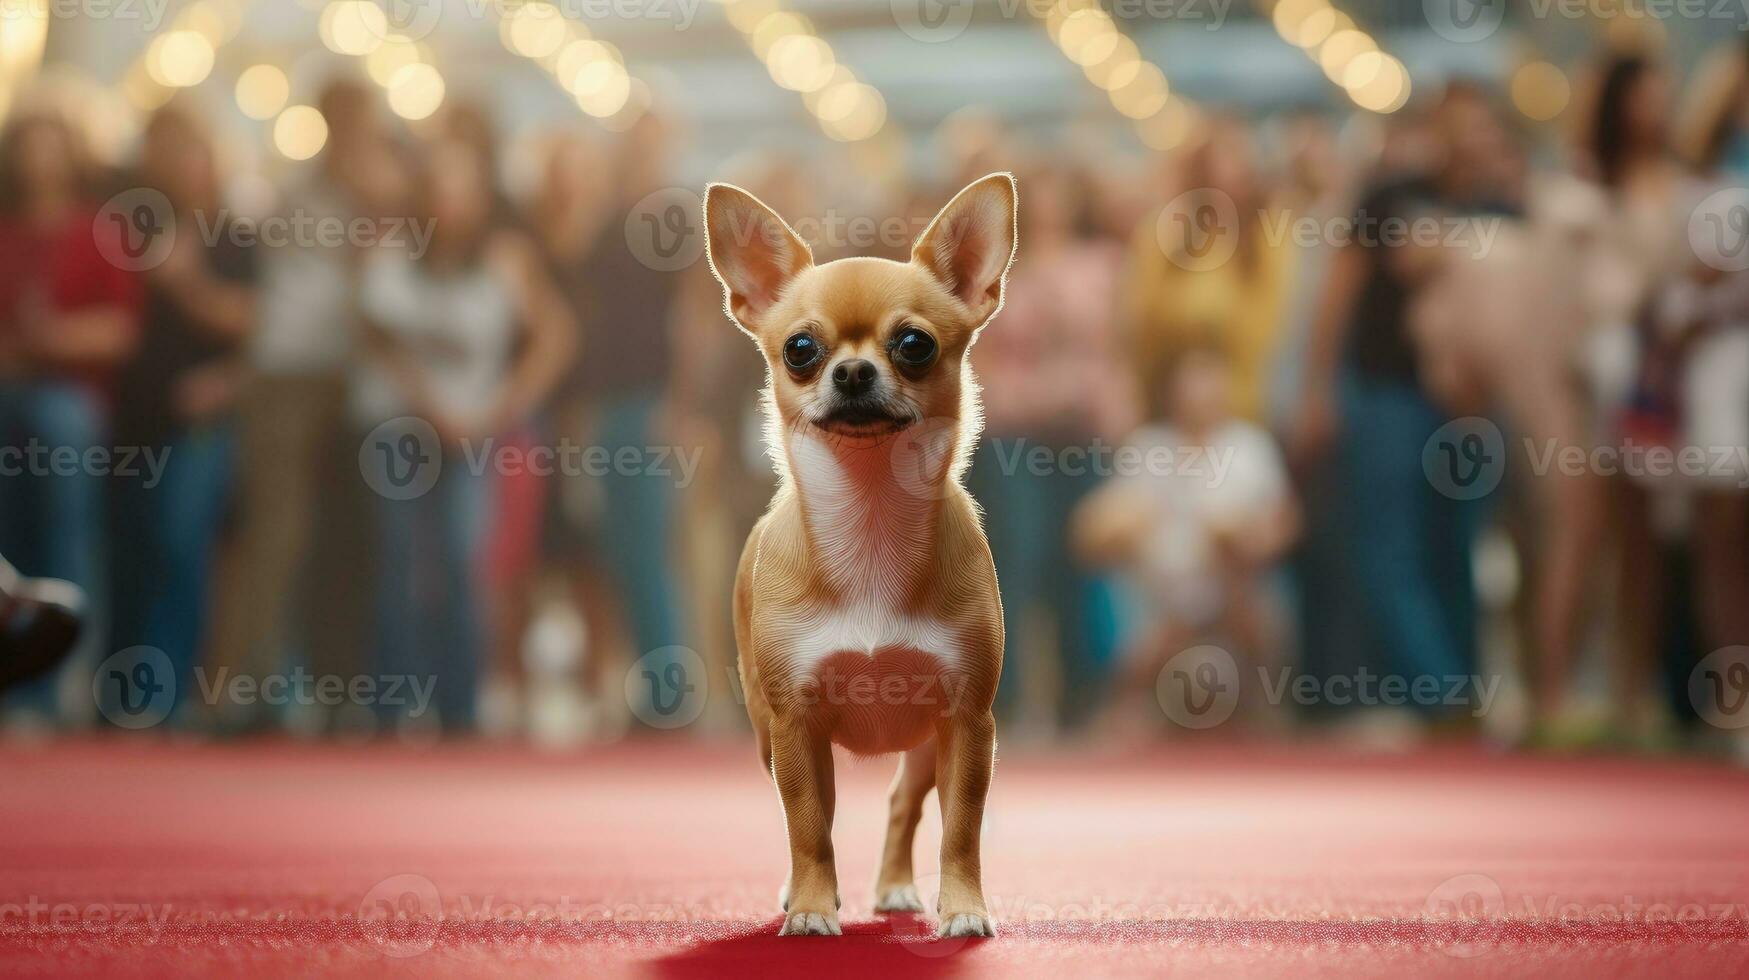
(1197,523)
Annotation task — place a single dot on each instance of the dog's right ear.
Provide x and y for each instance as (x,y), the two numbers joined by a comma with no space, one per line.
(753,253)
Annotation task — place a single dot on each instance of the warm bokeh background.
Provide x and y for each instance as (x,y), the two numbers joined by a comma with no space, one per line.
(1378,368)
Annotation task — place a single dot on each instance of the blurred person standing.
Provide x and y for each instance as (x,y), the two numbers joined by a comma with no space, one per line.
(68,320)
(625,301)
(175,396)
(295,468)
(1208,267)
(1055,393)
(1634,373)
(470,337)
(1705,310)
(1409,543)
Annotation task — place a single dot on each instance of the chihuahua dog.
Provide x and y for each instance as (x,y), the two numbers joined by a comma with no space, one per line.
(866,611)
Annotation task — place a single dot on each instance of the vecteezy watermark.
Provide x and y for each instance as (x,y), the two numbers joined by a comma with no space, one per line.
(403,458)
(1718,230)
(137,230)
(935,21)
(403,913)
(1477,20)
(38,460)
(679,13)
(1465,459)
(135,688)
(1718,687)
(1726,465)
(1469,235)
(302,687)
(149,14)
(1201,687)
(676,464)
(665,230)
(1210,464)
(668,687)
(1201,229)
(1364,688)
(1466,915)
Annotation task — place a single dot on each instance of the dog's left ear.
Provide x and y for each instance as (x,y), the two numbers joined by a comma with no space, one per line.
(970,244)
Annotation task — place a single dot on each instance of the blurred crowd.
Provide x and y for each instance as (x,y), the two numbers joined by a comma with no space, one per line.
(1340,396)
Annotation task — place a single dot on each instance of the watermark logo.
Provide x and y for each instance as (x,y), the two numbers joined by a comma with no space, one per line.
(667,688)
(135,688)
(1199,687)
(1199,229)
(932,21)
(402,458)
(149,14)
(409,19)
(1719,688)
(665,230)
(1462,914)
(1465,458)
(1464,21)
(401,914)
(921,455)
(1718,230)
(135,230)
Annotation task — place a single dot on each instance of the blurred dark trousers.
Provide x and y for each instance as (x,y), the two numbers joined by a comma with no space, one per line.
(638,525)
(288,430)
(430,598)
(1027,512)
(1410,544)
(165,536)
(52,500)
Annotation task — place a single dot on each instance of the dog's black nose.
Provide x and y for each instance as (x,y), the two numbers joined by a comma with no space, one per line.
(854,377)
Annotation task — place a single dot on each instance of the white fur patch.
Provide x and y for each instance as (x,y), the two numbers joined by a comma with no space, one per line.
(872,538)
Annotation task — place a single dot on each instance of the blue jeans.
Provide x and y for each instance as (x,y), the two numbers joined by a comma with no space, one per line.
(1027,521)
(1410,543)
(51,502)
(637,527)
(430,618)
(165,536)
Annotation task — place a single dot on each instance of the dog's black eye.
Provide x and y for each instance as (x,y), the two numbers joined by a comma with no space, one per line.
(802,352)
(913,348)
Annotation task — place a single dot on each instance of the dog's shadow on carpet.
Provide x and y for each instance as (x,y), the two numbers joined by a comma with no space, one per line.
(895,945)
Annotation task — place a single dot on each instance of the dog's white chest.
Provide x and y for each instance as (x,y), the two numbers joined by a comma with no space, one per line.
(871,537)
(865,628)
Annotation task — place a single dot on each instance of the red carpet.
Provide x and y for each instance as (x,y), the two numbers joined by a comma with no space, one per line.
(131,858)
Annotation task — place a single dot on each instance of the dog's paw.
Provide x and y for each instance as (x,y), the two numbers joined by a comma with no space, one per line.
(899,898)
(966,924)
(811,924)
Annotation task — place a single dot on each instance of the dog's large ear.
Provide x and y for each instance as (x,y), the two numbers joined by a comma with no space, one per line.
(753,253)
(970,244)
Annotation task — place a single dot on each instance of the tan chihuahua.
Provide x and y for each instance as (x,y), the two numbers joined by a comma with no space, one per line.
(866,609)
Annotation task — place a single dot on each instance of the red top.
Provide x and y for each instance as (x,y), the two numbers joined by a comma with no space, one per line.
(66,266)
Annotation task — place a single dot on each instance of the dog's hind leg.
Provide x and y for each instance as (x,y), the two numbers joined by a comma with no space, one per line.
(896,887)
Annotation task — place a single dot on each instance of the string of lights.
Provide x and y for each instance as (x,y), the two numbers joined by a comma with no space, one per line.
(846,108)
(1137,88)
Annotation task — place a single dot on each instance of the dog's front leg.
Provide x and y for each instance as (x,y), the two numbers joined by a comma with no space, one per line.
(966,756)
(801,764)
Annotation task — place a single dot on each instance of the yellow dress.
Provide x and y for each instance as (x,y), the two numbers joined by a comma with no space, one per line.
(1238,305)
